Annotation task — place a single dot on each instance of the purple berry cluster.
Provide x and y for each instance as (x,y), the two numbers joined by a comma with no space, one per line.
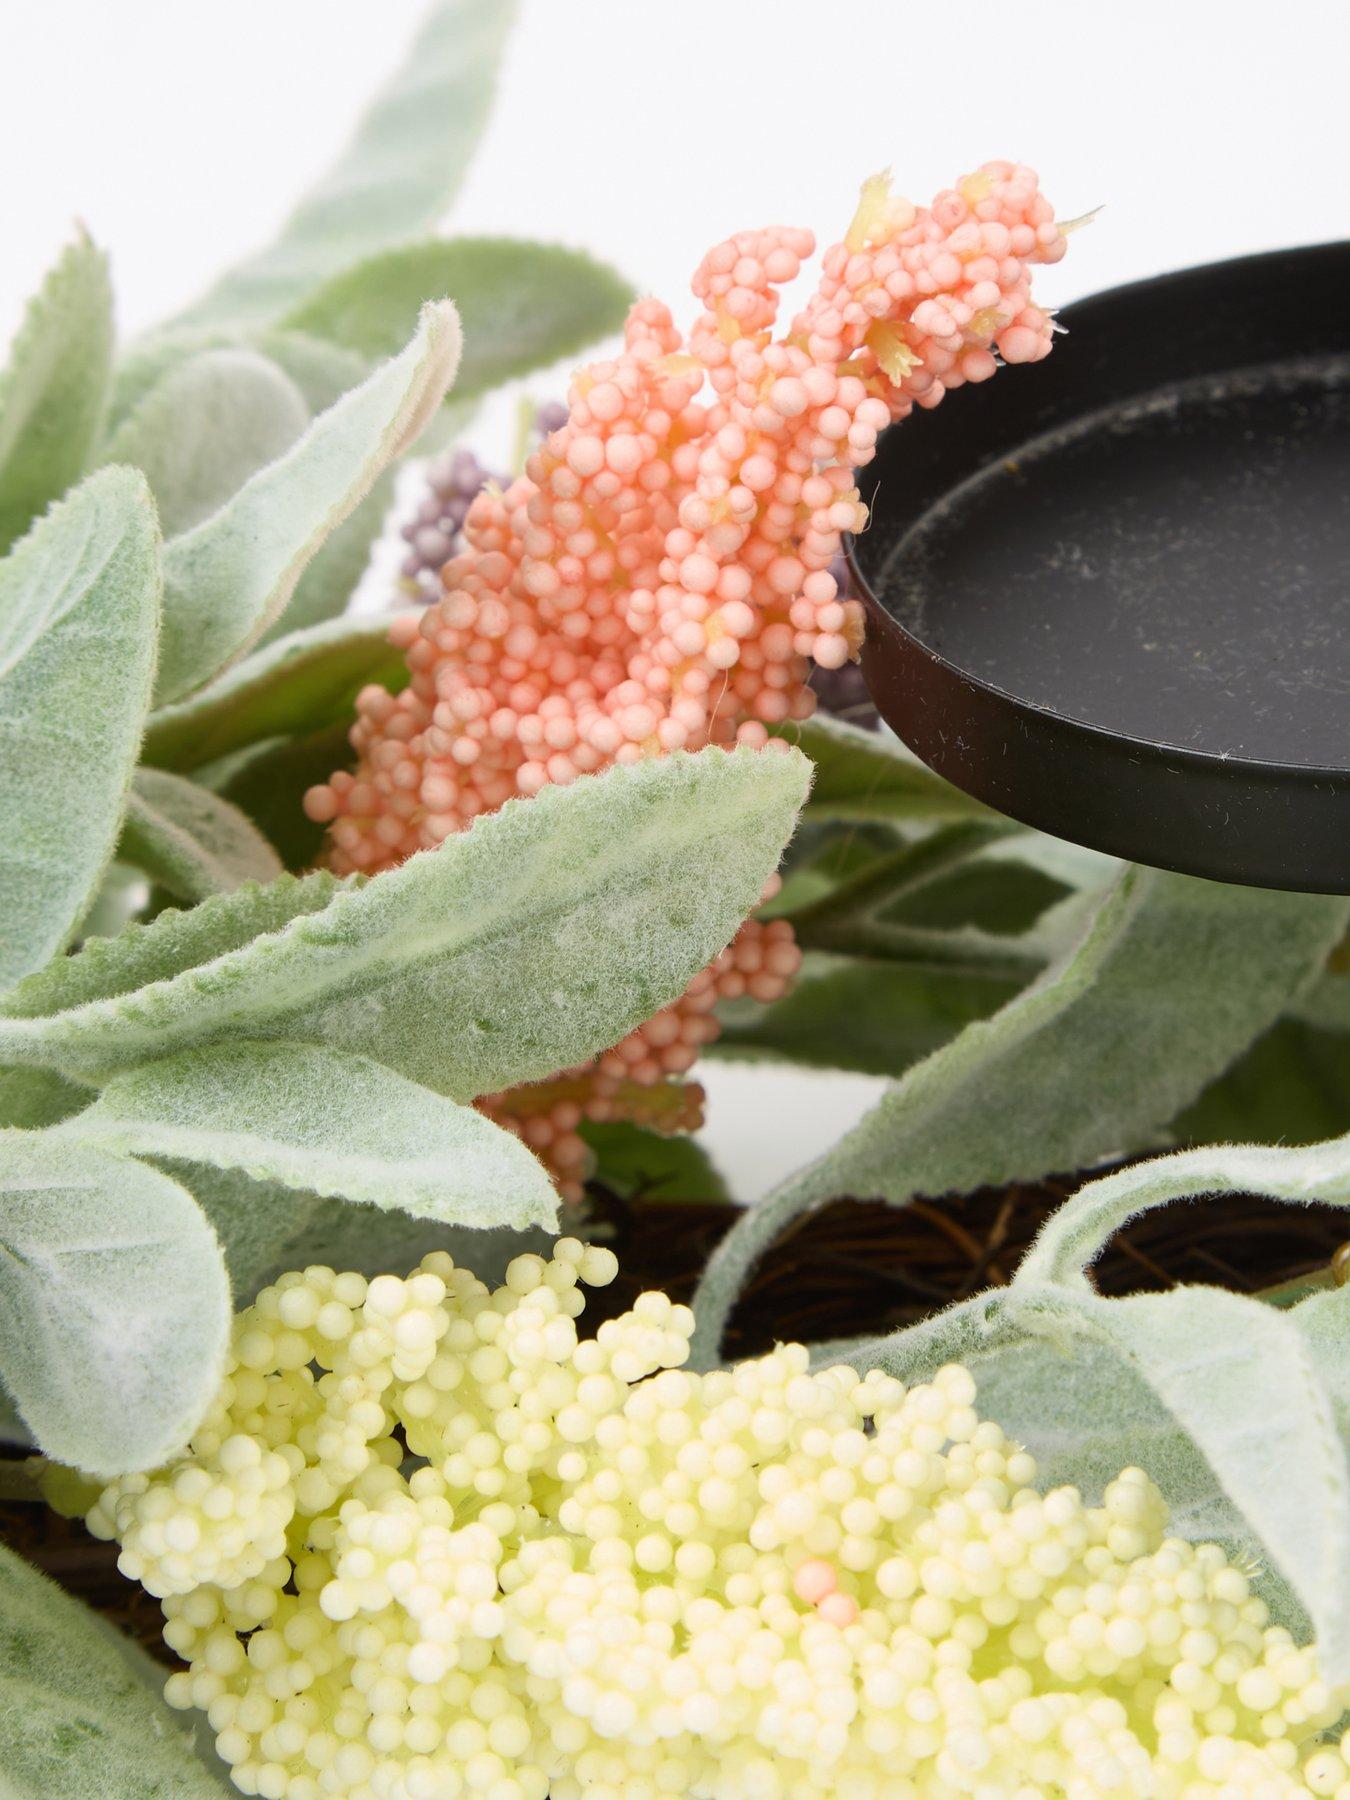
(433,533)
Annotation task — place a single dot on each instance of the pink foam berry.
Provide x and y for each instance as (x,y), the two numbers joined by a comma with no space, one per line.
(660,577)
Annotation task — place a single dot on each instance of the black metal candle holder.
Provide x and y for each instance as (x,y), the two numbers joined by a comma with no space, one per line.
(1111,598)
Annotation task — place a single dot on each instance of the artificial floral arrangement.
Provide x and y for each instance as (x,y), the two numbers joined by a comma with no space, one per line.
(344,959)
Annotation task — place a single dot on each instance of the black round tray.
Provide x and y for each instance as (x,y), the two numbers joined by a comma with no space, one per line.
(1110,596)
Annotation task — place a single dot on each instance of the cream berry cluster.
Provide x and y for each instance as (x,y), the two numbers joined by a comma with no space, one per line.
(660,578)
(510,1562)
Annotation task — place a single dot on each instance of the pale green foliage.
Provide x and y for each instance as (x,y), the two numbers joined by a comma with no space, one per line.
(1232,1405)
(79,1716)
(52,393)
(533,940)
(396,177)
(78,603)
(33,1098)
(863,1014)
(301,682)
(114,1303)
(868,775)
(1172,980)
(227,580)
(522,304)
(189,840)
(142,955)
(204,428)
(325,1122)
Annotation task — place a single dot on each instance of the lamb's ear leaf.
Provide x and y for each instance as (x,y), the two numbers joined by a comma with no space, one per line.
(31,1099)
(395,179)
(635,1161)
(324,592)
(114,1303)
(1085,1413)
(143,955)
(1244,1380)
(270,786)
(189,841)
(522,946)
(230,577)
(523,305)
(1291,1087)
(205,426)
(79,609)
(1076,1233)
(296,684)
(1217,1395)
(1172,980)
(78,1711)
(52,392)
(326,1122)
(864,776)
(856,1013)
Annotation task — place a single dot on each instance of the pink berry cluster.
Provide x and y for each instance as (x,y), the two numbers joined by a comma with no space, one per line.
(660,577)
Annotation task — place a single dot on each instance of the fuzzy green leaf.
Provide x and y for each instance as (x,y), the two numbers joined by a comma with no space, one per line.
(190,841)
(863,776)
(1291,1087)
(396,177)
(114,1304)
(538,937)
(325,590)
(323,1122)
(1238,1409)
(52,393)
(144,955)
(870,1017)
(33,1098)
(1173,979)
(79,602)
(636,1162)
(230,577)
(270,786)
(205,427)
(77,1718)
(298,684)
(1241,1379)
(522,305)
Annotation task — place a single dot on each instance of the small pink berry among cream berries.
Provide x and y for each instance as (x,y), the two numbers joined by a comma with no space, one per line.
(661,578)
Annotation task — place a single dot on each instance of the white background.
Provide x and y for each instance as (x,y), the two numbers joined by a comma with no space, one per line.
(645,130)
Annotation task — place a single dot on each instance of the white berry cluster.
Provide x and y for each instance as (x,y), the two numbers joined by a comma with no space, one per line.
(431,1545)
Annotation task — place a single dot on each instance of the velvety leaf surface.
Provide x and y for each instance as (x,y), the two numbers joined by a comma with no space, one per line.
(33,1098)
(869,775)
(396,177)
(633,1161)
(522,305)
(869,1016)
(230,577)
(324,1122)
(190,841)
(299,683)
(77,1718)
(114,1304)
(270,786)
(52,392)
(79,602)
(205,427)
(1291,1087)
(1173,979)
(1231,1404)
(517,948)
